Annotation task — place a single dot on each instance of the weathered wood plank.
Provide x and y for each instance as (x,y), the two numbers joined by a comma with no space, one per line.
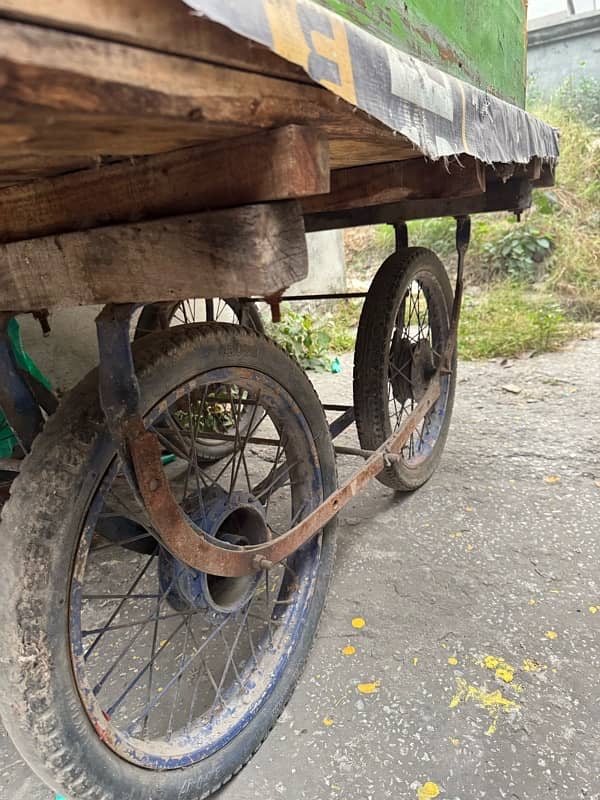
(257,249)
(65,95)
(514,195)
(284,163)
(168,26)
(418,178)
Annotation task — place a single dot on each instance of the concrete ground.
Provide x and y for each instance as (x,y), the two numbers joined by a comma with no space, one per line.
(481,645)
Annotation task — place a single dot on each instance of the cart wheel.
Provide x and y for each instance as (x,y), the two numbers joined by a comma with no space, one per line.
(403,330)
(160,316)
(129,675)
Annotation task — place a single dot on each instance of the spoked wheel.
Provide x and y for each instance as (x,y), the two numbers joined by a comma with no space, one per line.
(402,334)
(126,674)
(161,316)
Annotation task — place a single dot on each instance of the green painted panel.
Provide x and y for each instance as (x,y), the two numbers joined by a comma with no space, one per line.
(481,41)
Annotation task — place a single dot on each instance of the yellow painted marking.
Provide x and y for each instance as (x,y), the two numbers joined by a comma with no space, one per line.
(428,791)
(469,508)
(493,702)
(328,722)
(593,609)
(368,688)
(336,49)
(296,44)
(457,535)
(532,601)
(358,622)
(455,740)
(551,635)
(415,661)
(349,650)
(453,661)
(470,547)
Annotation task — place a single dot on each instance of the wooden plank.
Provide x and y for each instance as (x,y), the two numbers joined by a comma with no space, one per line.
(418,178)
(273,165)
(259,249)
(164,25)
(514,195)
(65,95)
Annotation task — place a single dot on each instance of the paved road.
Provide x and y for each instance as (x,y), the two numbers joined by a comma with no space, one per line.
(478,594)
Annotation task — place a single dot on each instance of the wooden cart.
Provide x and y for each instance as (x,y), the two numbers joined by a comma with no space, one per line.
(169,537)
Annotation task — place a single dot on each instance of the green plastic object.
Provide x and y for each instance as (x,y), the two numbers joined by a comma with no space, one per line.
(7,437)
(484,42)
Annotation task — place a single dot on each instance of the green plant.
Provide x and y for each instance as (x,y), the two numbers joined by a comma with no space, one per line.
(308,342)
(517,253)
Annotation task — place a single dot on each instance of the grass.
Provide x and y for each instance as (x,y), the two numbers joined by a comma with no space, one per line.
(509,320)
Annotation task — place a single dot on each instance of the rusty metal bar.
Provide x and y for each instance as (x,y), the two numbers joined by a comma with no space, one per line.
(194,547)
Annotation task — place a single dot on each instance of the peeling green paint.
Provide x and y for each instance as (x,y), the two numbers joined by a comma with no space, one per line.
(482,42)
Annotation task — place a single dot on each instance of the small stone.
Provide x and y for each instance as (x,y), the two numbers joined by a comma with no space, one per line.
(512,388)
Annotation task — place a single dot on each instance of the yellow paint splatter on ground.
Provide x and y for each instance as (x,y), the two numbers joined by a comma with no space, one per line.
(349,650)
(503,670)
(469,508)
(415,661)
(492,662)
(552,479)
(530,665)
(493,702)
(455,741)
(328,722)
(453,661)
(358,622)
(532,601)
(505,673)
(470,547)
(593,609)
(428,791)
(368,688)
(457,535)
(555,591)
(551,635)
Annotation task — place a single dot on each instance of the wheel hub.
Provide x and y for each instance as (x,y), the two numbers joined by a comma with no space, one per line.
(411,367)
(422,368)
(234,520)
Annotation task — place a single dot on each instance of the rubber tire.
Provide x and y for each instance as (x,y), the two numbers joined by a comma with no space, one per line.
(39,701)
(371,354)
(153,314)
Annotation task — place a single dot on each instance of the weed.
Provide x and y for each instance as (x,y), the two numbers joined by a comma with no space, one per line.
(303,338)
(508,320)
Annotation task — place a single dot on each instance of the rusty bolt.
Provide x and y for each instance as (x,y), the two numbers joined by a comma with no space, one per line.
(258,562)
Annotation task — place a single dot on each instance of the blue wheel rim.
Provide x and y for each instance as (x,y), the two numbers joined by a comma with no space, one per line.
(256,679)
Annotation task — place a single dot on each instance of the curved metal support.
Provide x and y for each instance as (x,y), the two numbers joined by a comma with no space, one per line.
(191,545)
(141,451)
